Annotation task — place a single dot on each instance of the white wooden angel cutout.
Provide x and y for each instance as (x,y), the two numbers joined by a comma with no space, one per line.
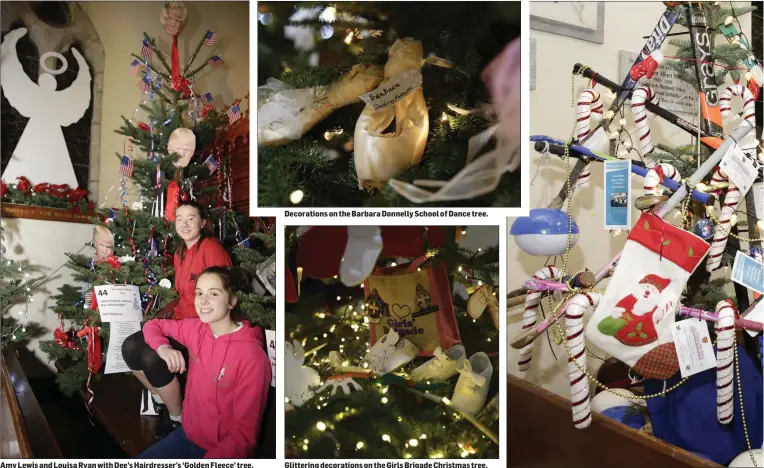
(41,154)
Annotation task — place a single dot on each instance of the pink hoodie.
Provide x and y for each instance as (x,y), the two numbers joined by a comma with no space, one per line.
(227,385)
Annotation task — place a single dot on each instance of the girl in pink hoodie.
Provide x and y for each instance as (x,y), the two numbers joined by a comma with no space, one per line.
(229,375)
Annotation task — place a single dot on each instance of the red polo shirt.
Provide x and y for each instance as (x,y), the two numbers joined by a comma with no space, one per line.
(206,253)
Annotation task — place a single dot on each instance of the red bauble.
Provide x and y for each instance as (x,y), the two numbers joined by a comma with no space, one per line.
(144,126)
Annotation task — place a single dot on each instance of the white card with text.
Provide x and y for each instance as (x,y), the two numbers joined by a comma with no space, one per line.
(739,169)
(119,303)
(756,315)
(118,332)
(694,349)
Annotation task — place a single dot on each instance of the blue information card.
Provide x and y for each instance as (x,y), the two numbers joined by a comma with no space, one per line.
(618,194)
(748,272)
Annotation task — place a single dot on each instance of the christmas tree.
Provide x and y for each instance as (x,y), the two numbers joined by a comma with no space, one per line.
(729,61)
(390,415)
(163,174)
(339,51)
(16,287)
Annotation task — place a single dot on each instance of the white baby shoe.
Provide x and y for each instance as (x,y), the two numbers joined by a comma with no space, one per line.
(442,366)
(391,353)
(472,387)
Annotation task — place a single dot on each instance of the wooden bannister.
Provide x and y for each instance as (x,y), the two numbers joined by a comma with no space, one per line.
(26,414)
(540,433)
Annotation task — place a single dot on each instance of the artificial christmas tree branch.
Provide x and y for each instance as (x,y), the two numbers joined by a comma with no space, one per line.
(193,56)
(158,52)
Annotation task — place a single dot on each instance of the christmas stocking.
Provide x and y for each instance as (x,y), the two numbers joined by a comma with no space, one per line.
(634,318)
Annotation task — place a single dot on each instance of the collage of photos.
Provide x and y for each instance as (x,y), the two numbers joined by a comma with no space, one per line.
(466,235)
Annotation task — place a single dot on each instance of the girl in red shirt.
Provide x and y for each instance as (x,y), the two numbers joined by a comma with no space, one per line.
(197,253)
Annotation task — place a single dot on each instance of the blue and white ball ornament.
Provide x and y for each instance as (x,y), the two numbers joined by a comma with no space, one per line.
(545,232)
(704,229)
(619,408)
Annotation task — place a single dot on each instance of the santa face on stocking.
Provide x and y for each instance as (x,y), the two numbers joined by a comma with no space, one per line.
(635,317)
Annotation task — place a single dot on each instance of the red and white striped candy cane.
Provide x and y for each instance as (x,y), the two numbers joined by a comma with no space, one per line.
(657,174)
(638,99)
(721,232)
(725,349)
(532,300)
(589,101)
(579,382)
(749,110)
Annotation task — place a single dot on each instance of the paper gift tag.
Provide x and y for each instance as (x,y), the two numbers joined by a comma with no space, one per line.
(748,272)
(266,273)
(758,199)
(756,315)
(693,347)
(739,169)
(393,90)
(119,303)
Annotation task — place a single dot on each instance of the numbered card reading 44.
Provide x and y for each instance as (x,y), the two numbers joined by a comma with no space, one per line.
(119,303)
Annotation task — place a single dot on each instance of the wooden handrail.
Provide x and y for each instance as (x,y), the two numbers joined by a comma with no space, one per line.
(540,433)
(43,444)
(19,429)
(13,210)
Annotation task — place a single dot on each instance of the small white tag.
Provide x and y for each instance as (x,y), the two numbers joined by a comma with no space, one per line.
(758,200)
(693,347)
(756,315)
(392,91)
(739,169)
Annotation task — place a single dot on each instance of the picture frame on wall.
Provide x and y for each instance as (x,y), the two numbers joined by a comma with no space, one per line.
(580,20)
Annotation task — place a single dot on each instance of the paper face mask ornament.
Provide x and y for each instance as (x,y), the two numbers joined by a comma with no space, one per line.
(103,240)
(183,142)
(173,17)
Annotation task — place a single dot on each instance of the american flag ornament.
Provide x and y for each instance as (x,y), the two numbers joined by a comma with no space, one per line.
(210,38)
(126,167)
(207,98)
(135,67)
(215,62)
(212,163)
(143,85)
(146,51)
(233,114)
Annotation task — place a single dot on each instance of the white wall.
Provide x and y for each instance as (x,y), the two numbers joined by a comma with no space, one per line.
(43,245)
(626,23)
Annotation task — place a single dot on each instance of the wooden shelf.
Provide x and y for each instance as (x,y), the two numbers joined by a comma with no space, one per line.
(42,213)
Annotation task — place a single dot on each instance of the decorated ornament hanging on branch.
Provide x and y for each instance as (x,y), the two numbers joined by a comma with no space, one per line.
(399,99)
(285,114)
(634,318)
(545,232)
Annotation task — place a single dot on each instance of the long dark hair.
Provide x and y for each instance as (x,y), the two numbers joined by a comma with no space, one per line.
(233,279)
(182,249)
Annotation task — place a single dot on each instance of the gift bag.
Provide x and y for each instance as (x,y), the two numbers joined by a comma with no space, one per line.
(416,304)
(634,318)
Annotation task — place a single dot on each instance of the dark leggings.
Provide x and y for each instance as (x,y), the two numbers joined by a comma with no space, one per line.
(140,357)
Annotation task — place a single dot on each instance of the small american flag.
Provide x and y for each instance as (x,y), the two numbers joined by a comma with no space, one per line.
(233,114)
(135,67)
(207,98)
(126,168)
(212,163)
(143,85)
(146,51)
(215,62)
(210,38)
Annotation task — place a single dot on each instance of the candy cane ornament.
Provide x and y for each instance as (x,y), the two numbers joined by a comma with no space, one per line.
(589,102)
(579,382)
(530,315)
(749,110)
(724,226)
(656,175)
(725,349)
(638,99)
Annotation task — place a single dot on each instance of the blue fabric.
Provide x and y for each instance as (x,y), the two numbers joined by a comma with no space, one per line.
(626,415)
(174,445)
(686,417)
